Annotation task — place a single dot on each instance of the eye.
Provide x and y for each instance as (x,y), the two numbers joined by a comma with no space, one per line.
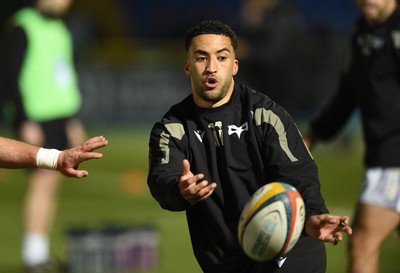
(201,59)
(222,58)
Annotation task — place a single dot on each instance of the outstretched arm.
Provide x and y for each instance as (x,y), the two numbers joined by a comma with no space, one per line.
(16,154)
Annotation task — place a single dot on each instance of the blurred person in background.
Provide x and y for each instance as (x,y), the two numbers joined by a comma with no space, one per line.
(41,86)
(372,85)
(271,34)
(214,149)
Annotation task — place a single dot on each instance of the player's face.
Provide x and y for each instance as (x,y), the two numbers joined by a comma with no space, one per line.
(211,65)
(376,11)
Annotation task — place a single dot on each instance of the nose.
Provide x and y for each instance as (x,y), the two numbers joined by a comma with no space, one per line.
(212,65)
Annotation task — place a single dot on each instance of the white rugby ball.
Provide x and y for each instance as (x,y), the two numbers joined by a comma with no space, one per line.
(271,221)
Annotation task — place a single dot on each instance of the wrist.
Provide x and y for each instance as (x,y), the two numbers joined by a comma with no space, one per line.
(47,158)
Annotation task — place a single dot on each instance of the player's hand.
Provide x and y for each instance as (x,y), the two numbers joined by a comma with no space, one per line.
(328,228)
(192,187)
(69,160)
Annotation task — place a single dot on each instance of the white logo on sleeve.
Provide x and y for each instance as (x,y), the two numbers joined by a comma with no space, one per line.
(233,129)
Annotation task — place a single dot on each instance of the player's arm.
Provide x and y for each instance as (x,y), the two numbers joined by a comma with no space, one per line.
(165,159)
(17,154)
(287,159)
(291,162)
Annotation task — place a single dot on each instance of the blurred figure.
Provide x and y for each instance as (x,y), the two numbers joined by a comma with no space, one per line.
(371,84)
(41,84)
(271,34)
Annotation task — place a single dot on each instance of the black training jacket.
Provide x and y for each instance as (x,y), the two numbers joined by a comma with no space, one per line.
(241,146)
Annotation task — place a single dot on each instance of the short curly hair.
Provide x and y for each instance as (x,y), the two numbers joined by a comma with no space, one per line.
(210,27)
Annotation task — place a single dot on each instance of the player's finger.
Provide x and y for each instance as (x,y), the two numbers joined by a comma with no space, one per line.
(94,143)
(337,238)
(344,221)
(206,196)
(185,167)
(332,219)
(188,186)
(196,183)
(71,172)
(348,230)
(204,193)
(90,155)
(206,190)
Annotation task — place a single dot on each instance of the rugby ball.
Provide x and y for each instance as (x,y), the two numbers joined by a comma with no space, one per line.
(271,221)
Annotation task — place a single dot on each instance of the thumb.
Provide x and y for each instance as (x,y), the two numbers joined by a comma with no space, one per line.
(185,167)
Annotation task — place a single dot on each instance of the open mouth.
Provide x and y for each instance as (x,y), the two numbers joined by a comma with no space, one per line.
(211,82)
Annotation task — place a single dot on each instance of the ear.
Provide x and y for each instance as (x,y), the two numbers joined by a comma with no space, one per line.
(186,68)
(235,67)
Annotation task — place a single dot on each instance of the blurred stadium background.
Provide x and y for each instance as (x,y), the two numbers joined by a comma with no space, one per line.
(129,56)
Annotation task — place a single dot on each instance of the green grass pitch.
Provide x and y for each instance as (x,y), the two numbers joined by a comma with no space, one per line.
(116,192)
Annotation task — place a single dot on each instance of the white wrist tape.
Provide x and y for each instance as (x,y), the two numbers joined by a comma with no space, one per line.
(47,158)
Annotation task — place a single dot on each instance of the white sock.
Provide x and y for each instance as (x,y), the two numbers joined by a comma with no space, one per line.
(35,249)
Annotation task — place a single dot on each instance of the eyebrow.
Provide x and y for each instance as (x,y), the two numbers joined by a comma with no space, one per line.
(199,51)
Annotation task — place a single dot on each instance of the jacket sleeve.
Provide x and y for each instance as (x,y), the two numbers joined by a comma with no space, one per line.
(165,166)
(287,159)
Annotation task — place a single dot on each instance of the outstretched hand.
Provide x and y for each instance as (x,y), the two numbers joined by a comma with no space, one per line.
(192,187)
(69,160)
(328,228)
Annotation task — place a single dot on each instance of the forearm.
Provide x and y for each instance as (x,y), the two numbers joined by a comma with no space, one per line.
(16,154)
(165,190)
(165,168)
